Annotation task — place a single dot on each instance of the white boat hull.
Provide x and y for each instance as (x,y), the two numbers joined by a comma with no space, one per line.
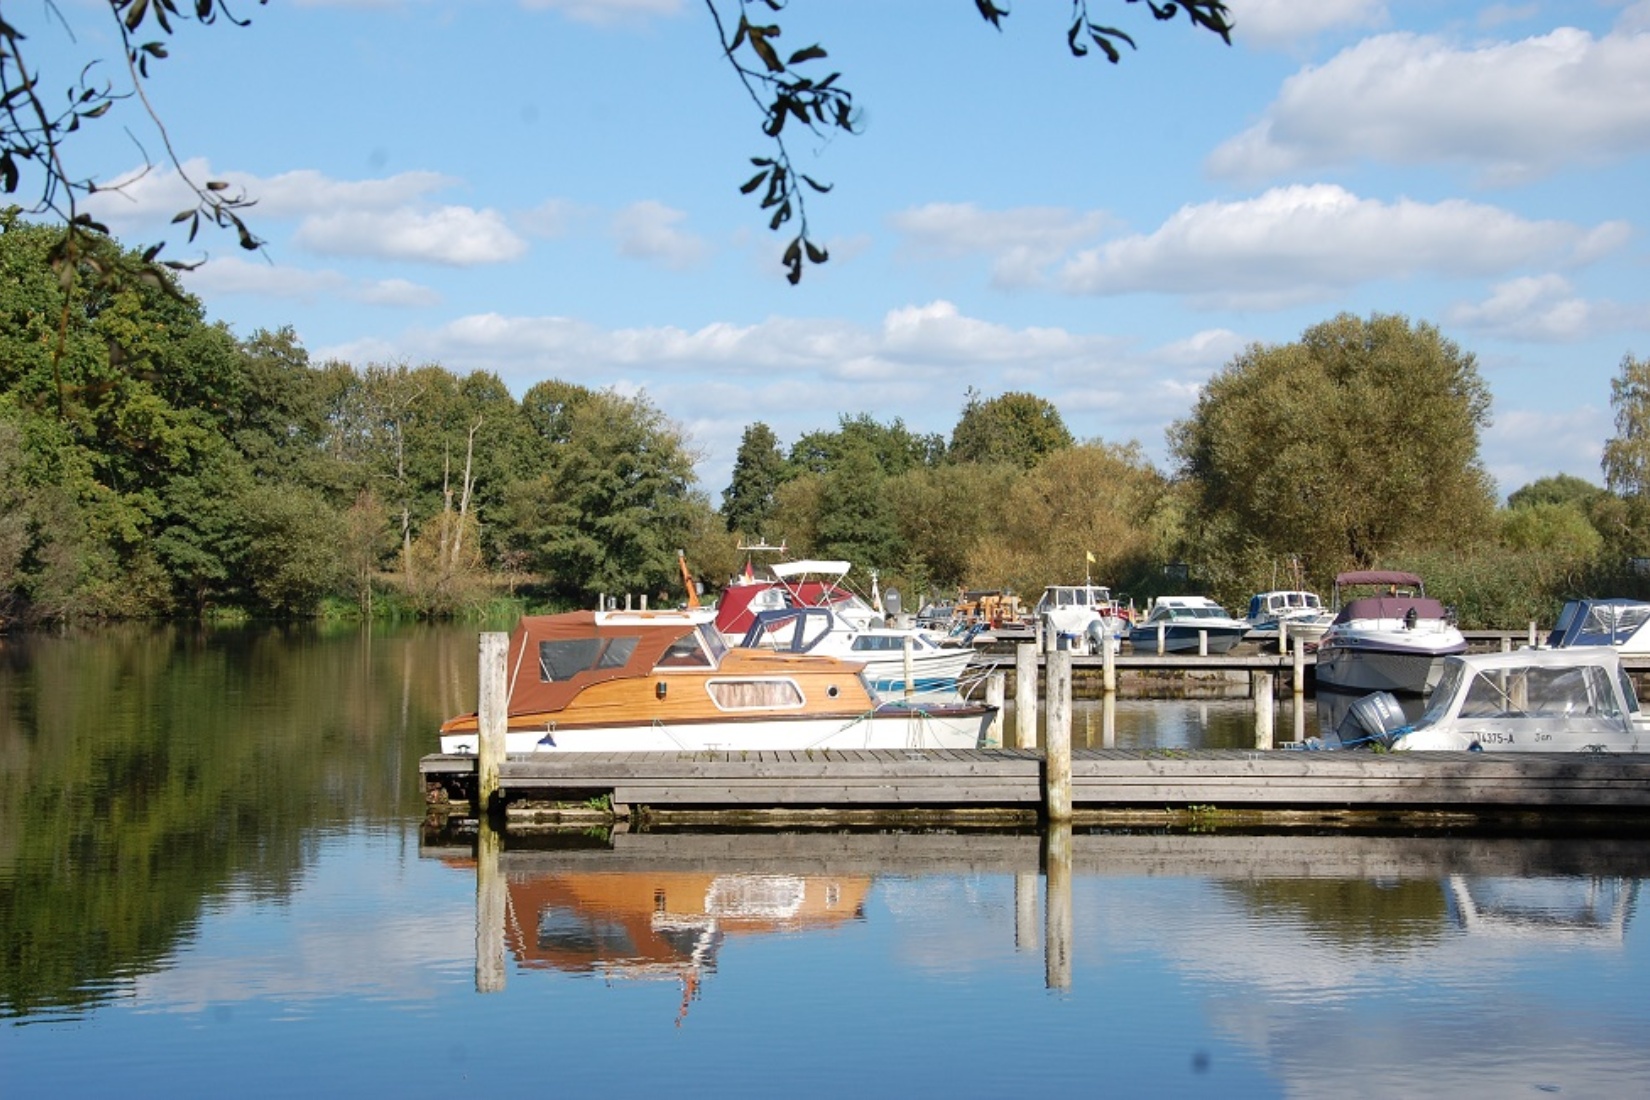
(1362,669)
(933,671)
(889,728)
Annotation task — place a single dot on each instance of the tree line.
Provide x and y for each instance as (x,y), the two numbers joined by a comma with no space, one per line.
(154,465)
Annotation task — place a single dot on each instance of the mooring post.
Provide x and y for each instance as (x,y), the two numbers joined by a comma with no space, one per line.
(1262,682)
(1057,738)
(1108,665)
(1283,637)
(1025,696)
(1203,643)
(910,674)
(492,715)
(1160,630)
(1057,918)
(1299,685)
(994,692)
(492,900)
(1532,633)
(1506,643)
(1108,721)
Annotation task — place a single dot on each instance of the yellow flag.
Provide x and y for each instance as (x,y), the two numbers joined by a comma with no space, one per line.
(1091,555)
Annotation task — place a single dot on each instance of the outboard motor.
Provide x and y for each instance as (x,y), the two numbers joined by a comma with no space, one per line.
(1376,717)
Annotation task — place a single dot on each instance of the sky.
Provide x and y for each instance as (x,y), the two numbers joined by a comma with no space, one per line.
(550,189)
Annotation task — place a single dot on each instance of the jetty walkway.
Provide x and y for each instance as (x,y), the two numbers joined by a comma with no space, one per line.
(1009,784)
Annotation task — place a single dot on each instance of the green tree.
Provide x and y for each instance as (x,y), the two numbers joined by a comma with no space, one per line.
(758,468)
(856,521)
(1557,489)
(892,447)
(1627,453)
(1017,428)
(1356,441)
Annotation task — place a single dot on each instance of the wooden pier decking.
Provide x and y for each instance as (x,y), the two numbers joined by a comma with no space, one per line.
(1010,780)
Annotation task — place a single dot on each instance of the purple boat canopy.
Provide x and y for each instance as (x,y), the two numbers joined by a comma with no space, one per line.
(1379,576)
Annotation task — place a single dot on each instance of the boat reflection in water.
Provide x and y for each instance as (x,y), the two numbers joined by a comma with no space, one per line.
(1576,911)
(649,926)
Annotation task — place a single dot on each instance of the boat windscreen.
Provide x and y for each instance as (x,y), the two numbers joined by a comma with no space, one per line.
(563,659)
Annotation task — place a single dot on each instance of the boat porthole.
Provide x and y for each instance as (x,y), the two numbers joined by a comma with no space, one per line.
(831,692)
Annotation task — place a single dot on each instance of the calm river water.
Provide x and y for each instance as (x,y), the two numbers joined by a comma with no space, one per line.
(216,879)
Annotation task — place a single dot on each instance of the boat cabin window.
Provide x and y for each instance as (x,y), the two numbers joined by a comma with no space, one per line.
(1541,693)
(562,660)
(879,642)
(754,694)
(688,651)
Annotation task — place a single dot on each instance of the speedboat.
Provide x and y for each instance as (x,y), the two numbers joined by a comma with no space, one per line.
(1528,700)
(1619,622)
(1391,642)
(666,681)
(889,653)
(769,614)
(1186,624)
(1083,616)
(1303,612)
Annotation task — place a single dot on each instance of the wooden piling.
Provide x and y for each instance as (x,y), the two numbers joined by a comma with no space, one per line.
(1264,702)
(1108,666)
(1057,739)
(1532,633)
(1283,637)
(910,672)
(1025,696)
(995,689)
(1160,642)
(492,715)
(1202,643)
(1298,686)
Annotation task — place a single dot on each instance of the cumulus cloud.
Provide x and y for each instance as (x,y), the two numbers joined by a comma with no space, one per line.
(1021,242)
(234,275)
(1280,24)
(1509,110)
(1532,308)
(455,236)
(651,231)
(1523,445)
(1295,244)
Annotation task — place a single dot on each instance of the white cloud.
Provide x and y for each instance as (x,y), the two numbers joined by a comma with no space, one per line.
(1510,110)
(1295,244)
(1523,445)
(457,236)
(1532,308)
(606,12)
(1284,23)
(234,275)
(649,231)
(1022,242)
(142,195)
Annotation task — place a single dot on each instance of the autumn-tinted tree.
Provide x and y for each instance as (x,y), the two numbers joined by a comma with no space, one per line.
(1357,440)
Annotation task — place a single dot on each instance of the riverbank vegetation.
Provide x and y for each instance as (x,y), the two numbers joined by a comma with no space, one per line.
(154,465)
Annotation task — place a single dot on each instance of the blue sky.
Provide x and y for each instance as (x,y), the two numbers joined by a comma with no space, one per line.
(549,188)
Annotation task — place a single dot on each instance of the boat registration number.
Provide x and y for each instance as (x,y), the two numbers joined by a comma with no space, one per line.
(1495,737)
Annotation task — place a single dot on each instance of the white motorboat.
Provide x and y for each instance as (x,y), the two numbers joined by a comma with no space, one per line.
(1303,613)
(898,662)
(1083,617)
(1622,623)
(1528,700)
(1395,641)
(769,615)
(1186,624)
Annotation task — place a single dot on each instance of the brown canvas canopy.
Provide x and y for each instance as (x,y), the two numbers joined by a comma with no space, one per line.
(554,657)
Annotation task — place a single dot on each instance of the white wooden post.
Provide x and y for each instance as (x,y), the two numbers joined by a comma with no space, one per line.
(1299,685)
(994,692)
(1160,641)
(1262,682)
(1202,643)
(1025,696)
(1057,738)
(910,675)
(492,716)
(1108,666)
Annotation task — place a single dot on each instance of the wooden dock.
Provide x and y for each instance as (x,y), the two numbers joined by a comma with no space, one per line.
(1011,782)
